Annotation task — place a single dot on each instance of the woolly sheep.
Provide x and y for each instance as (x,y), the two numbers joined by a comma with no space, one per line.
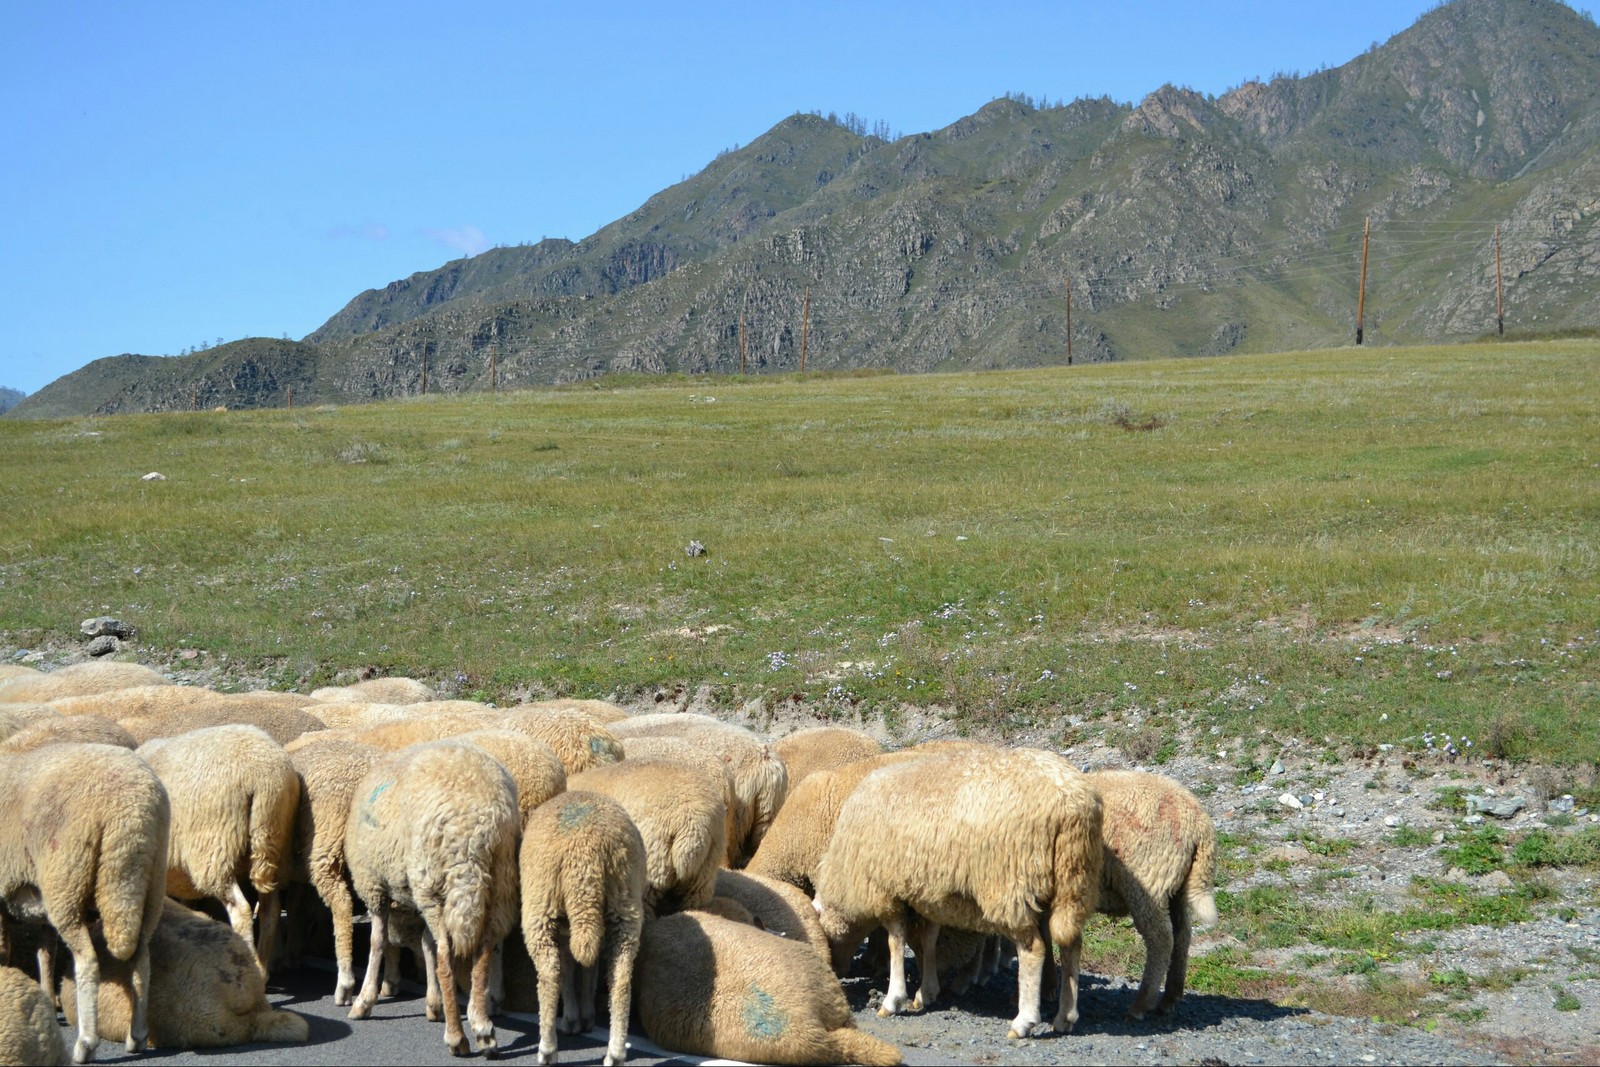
(412,730)
(433,832)
(532,764)
(281,724)
(760,781)
(1160,848)
(1004,841)
(17,670)
(822,748)
(16,717)
(681,816)
(205,989)
(96,676)
(580,741)
(601,711)
(28,1030)
(81,729)
(583,873)
(778,907)
(85,833)
(711,987)
(343,715)
(677,750)
(234,798)
(377,691)
(140,700)
(329,774)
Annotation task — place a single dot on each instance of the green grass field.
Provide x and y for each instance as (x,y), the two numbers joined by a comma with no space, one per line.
(1360,544)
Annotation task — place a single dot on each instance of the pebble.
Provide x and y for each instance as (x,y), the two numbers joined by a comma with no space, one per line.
(1289,800)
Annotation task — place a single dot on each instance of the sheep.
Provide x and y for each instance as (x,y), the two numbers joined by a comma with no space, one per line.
(778,907)
(85,833)
(141,700)
(280,724)
(1160,861)
(205,989)
(532,764)
(578,739)
(84,729)
(678,750)
(1005,841)
(822,748)
(602,712)
(681,816)
(343,715)
(377,691)
(583,876)
(415,729)
(760,781)
(17,717)
(329,774)
(28,1030)
(234,798)
(711,987)
(96,676)
(17,670)
(433,833)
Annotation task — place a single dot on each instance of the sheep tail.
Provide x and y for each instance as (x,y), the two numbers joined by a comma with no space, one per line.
(585,902)
(853,1046)
(131,878)
(1202,875)
(279,1026)
(271,820)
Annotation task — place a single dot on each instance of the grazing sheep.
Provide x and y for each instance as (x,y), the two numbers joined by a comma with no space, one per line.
(79,729)
(281,724)
(97,676)
(142,700)
(205,989)
(329,774)
(711,987)
(28,1030)
(413,730)
(681,816)
(343,715)
(234,798)
(532,764)
(822,748)
(85,833)
(1005,841)
(601,711)
(433,833)
(17,670)
(1160,863)
(677,750)
(583,872)
(579,740)
(15,717)
(778,907)
(377,691)
(760,781)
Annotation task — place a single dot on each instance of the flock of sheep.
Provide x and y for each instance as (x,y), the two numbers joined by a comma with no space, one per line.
(714,882)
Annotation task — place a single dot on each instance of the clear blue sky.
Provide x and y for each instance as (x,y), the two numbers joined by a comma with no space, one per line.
(172,173)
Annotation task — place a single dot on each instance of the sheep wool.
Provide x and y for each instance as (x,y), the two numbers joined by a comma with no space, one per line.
(532,764)
(85,833)
(141,700)
(579,740)
(432,833)
(1004,840)
(711,987)
(282,725)
(779,908)
(79,729)
(1160,864)
(378,691)
(28,1030)
(822,748)
(17,717)
(678,750)
(234,798)
(583,872)
(96,676)
(600,711)
(347,715)
(205,989)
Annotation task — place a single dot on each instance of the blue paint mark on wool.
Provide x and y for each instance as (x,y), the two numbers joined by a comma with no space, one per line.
(573,815)
(762,1016)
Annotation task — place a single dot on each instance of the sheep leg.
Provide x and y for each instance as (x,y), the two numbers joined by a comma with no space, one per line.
(430,967)
(46,955)
(894,1001)
(497,979)
(87,965)
(1178,969)
(369,985)
(1067,1006)
(139,1025)
(1032,948)
(1155,928)
(571,1011)
(241,917)
(268,911)
(343,908)
(391,970)
(478,1001)
(455,1038)
(588,983)
(928,965)
(551,969)
(625,948)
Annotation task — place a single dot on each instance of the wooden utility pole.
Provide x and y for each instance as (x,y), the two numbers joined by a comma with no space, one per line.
(424,370)
(805,328)
(291,397)
(1069,320)
(1361,294)
(1499,287)
(197,398)
(494,368)
(741,344)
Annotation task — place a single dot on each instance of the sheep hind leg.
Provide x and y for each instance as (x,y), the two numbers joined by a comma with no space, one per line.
(1155,929)
(894,1001)
(478,1013)
(625,949)
(46,957)
(87,965)
(139,1024)
(551,969)
(443,951)
(375,959)
(430,968)
(1032,950)
(571,1009)
(1178,969)
(1067,1006)
(242,917)
(268,912)
(928,966)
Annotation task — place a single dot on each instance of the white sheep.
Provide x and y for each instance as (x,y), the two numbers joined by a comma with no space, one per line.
(28,1030)
(138,701)
(681,816)
(15,717)
(377,691)
(778,907)
(760,780)
(532,764)
(343,715)
(577,738)
(85,834)
(1160,863)
(17,670)
(414,729)
(583,877)
(205,989)
(234,798)
(95,676)
(711,987)
(822,748)
(60,729)
(281,724)
(1003,841)
(433,832)
(678,750)
(601,711)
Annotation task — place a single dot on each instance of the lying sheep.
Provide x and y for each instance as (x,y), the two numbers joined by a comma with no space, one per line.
(710,987)
(142,700)
(583,874)
(96,676)
(377,691)
(681,816)
(281,724)
(1160,863)
(678,750)
(760,781)
(777,907)
(822,748)
(234,798)
(79,729)
(85,834)
(205,989)
(433,832)
(1005,841)
(28,1030)
(329,774)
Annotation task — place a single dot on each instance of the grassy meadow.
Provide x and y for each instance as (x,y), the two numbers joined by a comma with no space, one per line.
(1359,544)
